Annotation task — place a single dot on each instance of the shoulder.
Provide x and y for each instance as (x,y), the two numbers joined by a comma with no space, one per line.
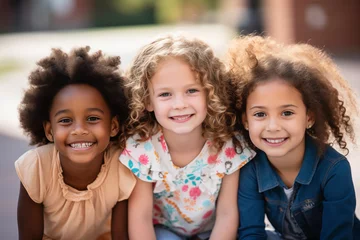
(234,158)
(34,169)
(332,159)
(38,156)
(143,157)
(124,177)
(332,163)
(332,155)
(139,150)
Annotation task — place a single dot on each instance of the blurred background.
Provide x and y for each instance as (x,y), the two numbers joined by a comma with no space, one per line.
(30,28)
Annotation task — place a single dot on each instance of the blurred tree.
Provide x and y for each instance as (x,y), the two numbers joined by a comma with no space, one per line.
(172,11)
(168,11)
(123,12)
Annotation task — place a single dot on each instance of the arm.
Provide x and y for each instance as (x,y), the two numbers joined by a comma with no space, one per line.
(251,205)
(227,218)
(30,216)
(339,203)
(119,221)
(141,212)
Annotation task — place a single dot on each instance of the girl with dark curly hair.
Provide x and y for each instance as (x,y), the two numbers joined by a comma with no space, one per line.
(292,103)
(72,184)
(181,148)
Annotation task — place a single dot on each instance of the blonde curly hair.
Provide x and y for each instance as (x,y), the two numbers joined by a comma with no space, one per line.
(326,94)
(219,122)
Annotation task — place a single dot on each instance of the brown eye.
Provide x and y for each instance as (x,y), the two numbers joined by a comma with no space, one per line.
(65,120)
(259,114)
(93,119)
(287,113)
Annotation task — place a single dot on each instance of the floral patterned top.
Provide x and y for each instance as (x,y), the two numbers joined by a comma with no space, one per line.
(184,198)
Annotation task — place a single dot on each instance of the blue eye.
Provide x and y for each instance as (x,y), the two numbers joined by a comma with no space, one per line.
(166,94)
(260,114)
(193,90)
(287,113)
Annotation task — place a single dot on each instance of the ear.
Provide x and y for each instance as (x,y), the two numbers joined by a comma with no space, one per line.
(48,131)
(114,127)
(310,119)
(245,121)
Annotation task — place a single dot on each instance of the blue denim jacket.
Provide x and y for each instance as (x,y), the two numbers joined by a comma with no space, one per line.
(323,205)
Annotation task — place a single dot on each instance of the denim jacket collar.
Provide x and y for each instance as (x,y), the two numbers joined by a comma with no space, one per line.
(267,177)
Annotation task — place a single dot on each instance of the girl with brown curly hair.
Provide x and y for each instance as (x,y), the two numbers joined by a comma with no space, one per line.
(181,146)
(293,104)
(72,184)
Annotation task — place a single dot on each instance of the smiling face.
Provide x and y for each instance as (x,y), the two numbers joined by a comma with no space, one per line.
(80,124)
(277,118)
(177,98)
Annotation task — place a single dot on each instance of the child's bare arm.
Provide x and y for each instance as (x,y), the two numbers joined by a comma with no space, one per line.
(141,212)
(30,216)
(227,219)
(119,221)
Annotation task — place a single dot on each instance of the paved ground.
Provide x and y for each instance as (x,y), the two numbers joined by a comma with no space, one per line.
(21,51)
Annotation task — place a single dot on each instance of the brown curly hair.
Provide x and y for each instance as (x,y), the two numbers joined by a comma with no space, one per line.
(219,122)
(254,59)
(61,69)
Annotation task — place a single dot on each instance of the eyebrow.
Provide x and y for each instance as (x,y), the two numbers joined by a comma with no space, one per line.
(88,109)
(282,106)
(169,87)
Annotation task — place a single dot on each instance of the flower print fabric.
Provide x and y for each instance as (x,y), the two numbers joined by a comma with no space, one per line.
(184,198)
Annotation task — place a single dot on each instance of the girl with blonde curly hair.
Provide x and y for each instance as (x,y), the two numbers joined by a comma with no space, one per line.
(181,144)
(292,104)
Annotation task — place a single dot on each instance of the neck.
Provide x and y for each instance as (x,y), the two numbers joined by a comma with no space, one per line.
(288,167)
(193,141)
(80,175)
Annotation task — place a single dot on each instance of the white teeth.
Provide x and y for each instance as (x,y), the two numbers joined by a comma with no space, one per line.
(81,145)
(181,118)
(275,140)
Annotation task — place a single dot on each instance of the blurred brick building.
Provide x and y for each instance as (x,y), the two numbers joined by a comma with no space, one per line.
(328,24)
(333,25)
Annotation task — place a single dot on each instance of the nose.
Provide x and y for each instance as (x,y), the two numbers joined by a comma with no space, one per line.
(79,129)
(179,102)
(273,124)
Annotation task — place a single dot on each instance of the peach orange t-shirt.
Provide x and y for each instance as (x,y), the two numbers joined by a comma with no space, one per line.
(70,213)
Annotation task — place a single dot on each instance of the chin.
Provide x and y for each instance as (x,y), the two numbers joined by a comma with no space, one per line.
(275,154)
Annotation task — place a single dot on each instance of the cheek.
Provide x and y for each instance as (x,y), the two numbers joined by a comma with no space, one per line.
(160,109)
(255,128)
(58,133)
(204,107)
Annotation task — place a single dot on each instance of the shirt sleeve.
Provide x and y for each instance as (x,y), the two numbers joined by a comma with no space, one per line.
(33,169)
(142,159)
(234,159)
(251,205)
(127,182)
(339,202)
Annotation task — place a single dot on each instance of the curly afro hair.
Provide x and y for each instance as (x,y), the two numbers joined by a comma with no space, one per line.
(254,59)
(61,69)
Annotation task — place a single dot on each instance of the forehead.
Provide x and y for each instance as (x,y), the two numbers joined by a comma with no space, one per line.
(77,96)
(274,92)
(173,72)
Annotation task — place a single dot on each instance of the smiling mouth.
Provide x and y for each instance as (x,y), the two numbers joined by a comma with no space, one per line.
(275,140)
(81,145)
(182,118)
